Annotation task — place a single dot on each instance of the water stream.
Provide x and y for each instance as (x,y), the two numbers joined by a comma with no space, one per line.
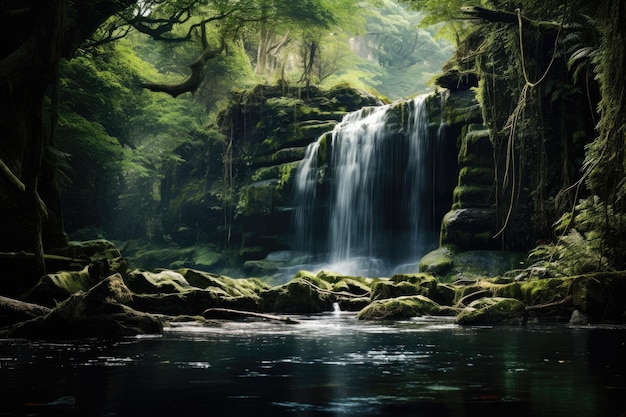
(330,365)
(377,215)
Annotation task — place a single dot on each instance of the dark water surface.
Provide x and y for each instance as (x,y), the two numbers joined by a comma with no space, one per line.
(330,365)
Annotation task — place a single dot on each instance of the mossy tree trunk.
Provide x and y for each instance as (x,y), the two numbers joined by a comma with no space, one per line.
(36,36)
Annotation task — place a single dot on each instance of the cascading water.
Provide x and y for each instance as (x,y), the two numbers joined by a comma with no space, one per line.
(377,210)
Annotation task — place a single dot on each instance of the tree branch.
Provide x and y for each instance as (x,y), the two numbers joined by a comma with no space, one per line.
(498,16)
(191,83)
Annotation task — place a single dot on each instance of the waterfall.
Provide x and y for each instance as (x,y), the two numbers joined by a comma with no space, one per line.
(305,185)
(378,210)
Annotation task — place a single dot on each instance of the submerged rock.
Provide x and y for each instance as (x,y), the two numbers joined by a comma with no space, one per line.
(496,310)
(99,312)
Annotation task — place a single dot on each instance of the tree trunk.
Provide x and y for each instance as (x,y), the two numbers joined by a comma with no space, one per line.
(36,35)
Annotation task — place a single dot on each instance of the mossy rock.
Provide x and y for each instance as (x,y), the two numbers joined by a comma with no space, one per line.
(492,311)
(436,262)
(476,148)
(351,99)
(231,287)
(399,308)
(163,282)
(95,250)
(99,312)
(444,294)
(296,296)
(544,291)
(469,196)
(353,286)
(476,175)
(258,199)
(288,155)
(511,290)
(323,280)
(462,108)
(353,304)
(470,229)
(191,302)
(313,129)
(53,288)
(600,295)
(261,268)
(385,289)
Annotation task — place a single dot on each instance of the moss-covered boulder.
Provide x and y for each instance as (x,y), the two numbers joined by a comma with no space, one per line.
(233,287)
(297,296)
(189,292)
(261,268)
(470,229)
(438,261)
(385,289)
(492,311)
(100,312)
(95,250)
(449,263)
(54,288)
(402,308)
(163,282)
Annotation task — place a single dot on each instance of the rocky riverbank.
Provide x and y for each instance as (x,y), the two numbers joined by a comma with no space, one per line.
(104,299)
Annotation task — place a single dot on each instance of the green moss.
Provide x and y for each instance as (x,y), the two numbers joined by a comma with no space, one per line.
(244,287)
(543,291)
(322,280)
(164,282)
(352,286)
(472,175)
(399,308)
(465,196)
(476,148)
(437,262)
(461,108)
(296,296)
(489,311)
(385,289)
(257,199)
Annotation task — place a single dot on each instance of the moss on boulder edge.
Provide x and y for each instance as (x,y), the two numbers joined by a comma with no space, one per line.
(496,310)
(403,308)
(100,312)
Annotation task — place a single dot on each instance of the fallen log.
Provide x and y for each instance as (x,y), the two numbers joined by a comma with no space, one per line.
(229,314)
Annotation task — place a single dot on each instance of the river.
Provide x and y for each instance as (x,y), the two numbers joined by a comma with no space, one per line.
(329,365)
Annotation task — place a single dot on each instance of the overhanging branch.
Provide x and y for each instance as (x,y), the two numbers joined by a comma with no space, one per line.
(498,16)
(191,83)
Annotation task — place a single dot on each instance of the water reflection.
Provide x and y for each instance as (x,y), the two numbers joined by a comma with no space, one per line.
(330,365)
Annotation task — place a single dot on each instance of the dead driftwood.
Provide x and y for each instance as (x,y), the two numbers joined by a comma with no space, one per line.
(545,306)
(229,314)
